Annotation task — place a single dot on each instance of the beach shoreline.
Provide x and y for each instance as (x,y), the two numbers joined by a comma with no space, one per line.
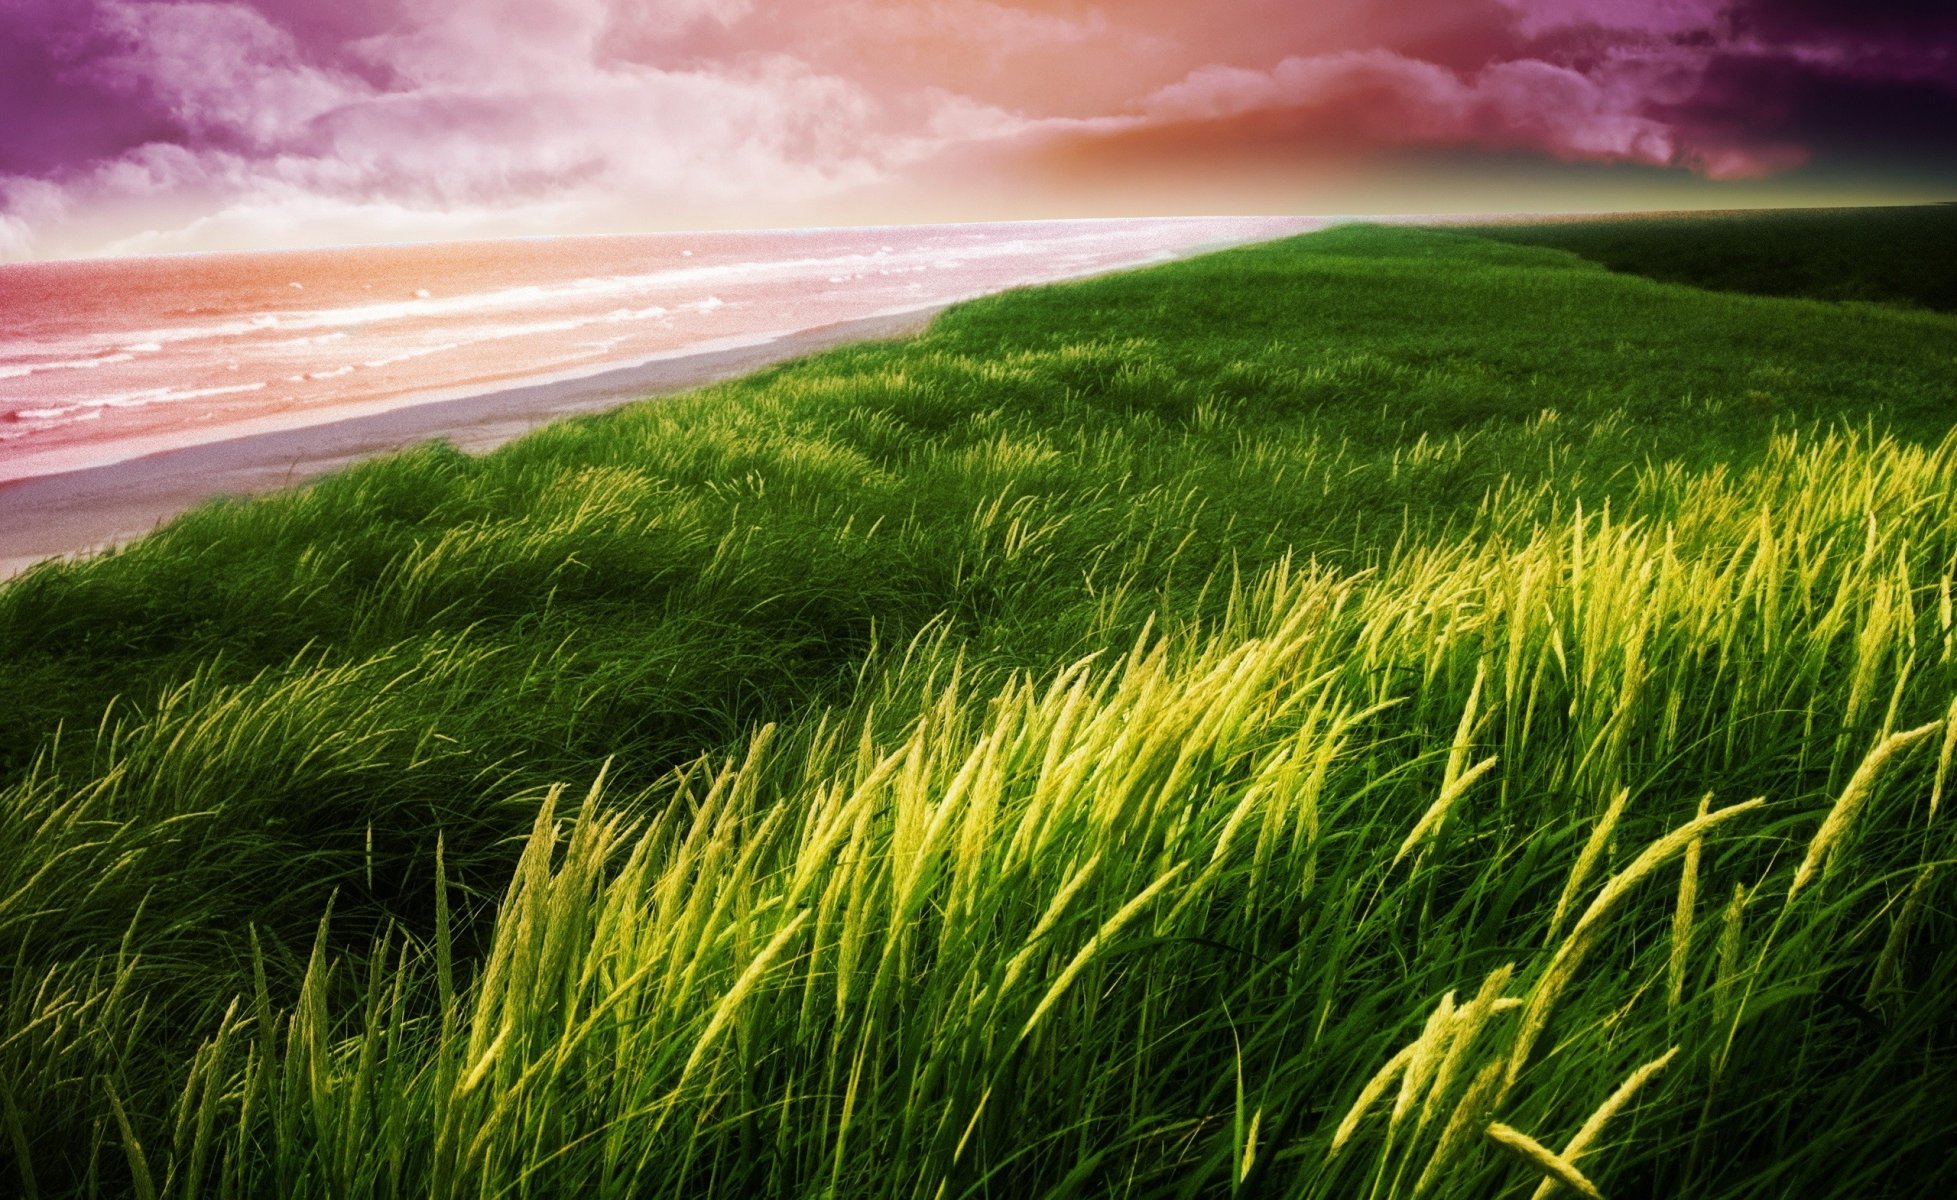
(96,507)
(82,506)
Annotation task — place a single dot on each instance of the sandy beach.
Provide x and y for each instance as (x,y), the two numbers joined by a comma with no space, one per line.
(95,458)
(96,508)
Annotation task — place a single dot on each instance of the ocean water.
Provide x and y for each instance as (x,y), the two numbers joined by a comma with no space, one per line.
(104,360)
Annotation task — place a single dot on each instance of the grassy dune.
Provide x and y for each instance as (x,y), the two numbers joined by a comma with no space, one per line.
(1392,713)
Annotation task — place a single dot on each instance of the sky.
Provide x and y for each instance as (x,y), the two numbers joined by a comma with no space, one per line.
(148,126)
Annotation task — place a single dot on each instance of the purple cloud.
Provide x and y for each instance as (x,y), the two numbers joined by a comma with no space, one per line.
(155,124)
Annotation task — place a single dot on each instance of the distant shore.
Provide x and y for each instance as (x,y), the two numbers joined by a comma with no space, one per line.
(95,508)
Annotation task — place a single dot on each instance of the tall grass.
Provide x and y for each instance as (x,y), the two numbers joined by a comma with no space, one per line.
(1019,764)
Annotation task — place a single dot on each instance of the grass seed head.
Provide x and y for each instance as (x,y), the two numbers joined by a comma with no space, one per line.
(1593,851)
(1594,1124)
(1688,895)
(1841,818)
(1552,1165)
(1570,955)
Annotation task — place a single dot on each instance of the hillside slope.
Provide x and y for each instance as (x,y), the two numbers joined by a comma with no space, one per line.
(1391,712)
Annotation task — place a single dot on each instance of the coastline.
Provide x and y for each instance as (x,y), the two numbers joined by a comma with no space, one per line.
(91,508)
(69,511)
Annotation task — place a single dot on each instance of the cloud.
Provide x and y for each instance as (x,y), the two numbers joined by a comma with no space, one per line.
(490,43)
(27,206)
(1378,98)
(1651,17)
(1884,20)
(222,71)
(280,215)
(16,240)
(199,121)
(476,108)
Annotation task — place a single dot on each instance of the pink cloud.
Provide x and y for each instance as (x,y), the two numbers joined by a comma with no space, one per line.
(199,119)
(263,94)
(1380,98)
(1655,17)
(485,106)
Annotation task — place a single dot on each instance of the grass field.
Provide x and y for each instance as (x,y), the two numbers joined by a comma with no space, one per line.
(1901,255)
(1391,713)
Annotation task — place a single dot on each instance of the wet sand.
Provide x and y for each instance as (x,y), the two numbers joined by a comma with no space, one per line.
(94,508)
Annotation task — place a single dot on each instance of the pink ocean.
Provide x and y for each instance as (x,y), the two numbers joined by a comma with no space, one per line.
(104,361)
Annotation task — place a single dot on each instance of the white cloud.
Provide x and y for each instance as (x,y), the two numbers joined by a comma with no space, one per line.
(16,240)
